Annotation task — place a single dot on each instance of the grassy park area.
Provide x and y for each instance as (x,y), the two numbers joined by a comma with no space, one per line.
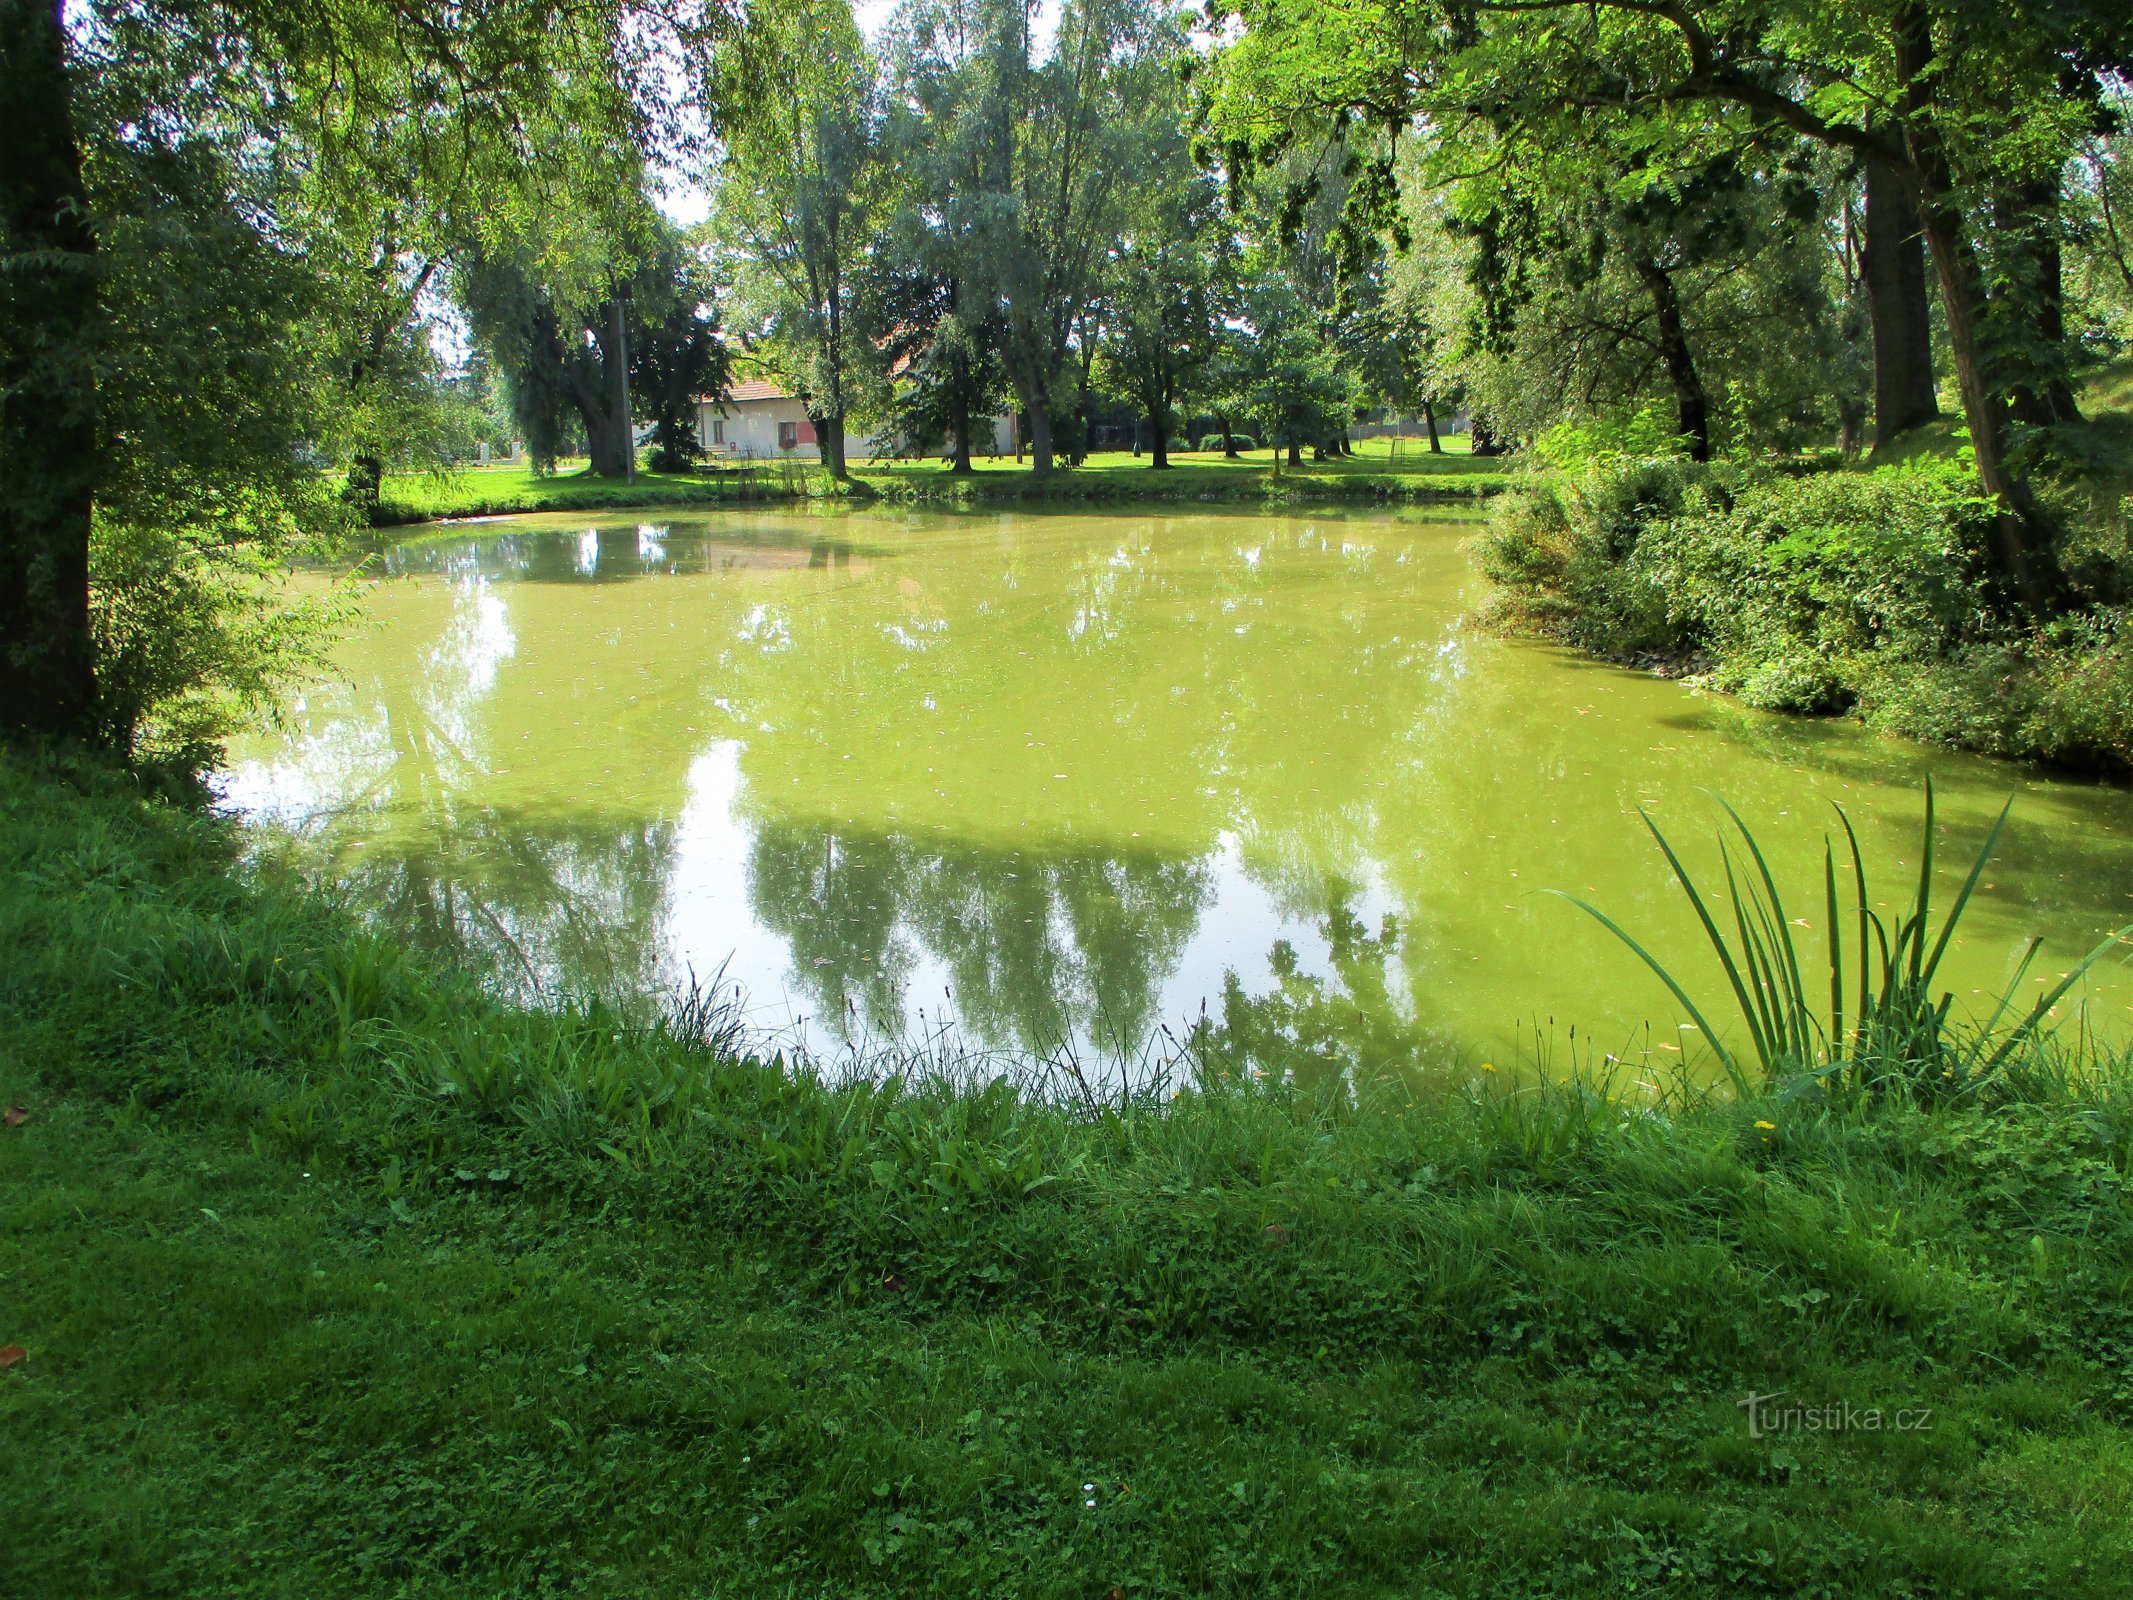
(1381,470)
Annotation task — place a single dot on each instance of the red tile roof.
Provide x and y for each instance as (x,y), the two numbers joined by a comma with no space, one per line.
(754,389)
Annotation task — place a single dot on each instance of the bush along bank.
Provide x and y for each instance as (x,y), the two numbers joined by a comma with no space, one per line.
(325,1272)
(1855,592)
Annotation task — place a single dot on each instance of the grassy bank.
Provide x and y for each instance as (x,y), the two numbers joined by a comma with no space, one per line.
(1377,474)
(506,490)
(332,1275)
(1381,471)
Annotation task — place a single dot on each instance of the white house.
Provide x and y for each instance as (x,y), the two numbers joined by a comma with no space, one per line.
(759,421)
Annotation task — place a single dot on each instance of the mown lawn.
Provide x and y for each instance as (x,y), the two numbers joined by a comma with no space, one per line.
(1381,469)
(331,1276)
(1376,473)
(503,490)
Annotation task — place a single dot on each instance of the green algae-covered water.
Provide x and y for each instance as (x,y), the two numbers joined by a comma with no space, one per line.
(1071,777)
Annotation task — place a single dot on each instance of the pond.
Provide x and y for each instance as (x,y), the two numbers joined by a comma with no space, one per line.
(1046,778)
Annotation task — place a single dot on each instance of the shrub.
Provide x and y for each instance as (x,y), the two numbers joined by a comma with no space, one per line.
(1213,442)
(196,633)
(1836,591)
(1791,586)
(1563,552)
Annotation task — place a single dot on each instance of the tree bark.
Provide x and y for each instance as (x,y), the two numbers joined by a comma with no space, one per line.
(1229,442)
(618,365)
(1892,263)
(1160,454)
(1295,452)
(48,417)
(2021,553)
(596,388)
(829,440)
(1040,440)
(959,411)
(1429,417)
(1692,407)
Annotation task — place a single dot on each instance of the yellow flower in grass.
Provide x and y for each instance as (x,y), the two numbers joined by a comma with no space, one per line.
(1767,1127)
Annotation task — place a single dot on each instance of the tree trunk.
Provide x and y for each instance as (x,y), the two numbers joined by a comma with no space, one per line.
(2021,554)
(48,401)
(1040,440)
(2033,304)
(618,370)
(607,439)
(1892,264)
(959,411)
(1295,452)
(1851,425)
(1229,442)
(829,439)
(1160,454)
(366,480)
(1429,417)
(1692,407)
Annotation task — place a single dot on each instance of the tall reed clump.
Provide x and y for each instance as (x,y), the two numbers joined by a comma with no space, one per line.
(1882,1033)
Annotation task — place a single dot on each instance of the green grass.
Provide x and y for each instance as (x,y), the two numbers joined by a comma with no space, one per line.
(335,1276)
(504,490)
(1374,474)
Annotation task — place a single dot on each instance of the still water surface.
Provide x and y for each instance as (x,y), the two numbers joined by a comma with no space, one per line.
(1057,776)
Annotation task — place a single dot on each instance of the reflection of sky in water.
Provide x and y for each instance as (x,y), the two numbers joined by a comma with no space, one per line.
(1049,775)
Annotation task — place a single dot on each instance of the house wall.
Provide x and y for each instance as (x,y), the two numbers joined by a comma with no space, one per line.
(752,426)
(752,430)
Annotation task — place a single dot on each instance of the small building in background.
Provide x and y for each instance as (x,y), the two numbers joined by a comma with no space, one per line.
(759,421)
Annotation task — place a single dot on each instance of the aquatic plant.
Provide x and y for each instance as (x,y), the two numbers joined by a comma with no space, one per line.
(1882,1030)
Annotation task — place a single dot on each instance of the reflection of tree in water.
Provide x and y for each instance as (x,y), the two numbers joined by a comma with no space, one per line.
(1038,947)
(538,908)
(1355,1023)
(836,901)
(537,904)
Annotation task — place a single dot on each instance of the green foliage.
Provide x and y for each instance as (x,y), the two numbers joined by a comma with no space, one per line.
(333,1273)
(1801,588)
(1562,552)
(194,638)
(1861,592)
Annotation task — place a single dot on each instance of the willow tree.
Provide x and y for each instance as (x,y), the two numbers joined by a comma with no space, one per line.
(1059,155)
(802,194)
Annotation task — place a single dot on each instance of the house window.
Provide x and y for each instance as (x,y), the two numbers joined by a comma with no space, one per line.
(788,435)
(718,431)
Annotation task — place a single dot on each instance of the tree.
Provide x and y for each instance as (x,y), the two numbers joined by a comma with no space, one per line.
(1057,160)
(1974,111)
(139,129)
(939,332)
(1168,277)
(49,420)
(1294,383)
(800,202)
(676,358)
(572,330)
